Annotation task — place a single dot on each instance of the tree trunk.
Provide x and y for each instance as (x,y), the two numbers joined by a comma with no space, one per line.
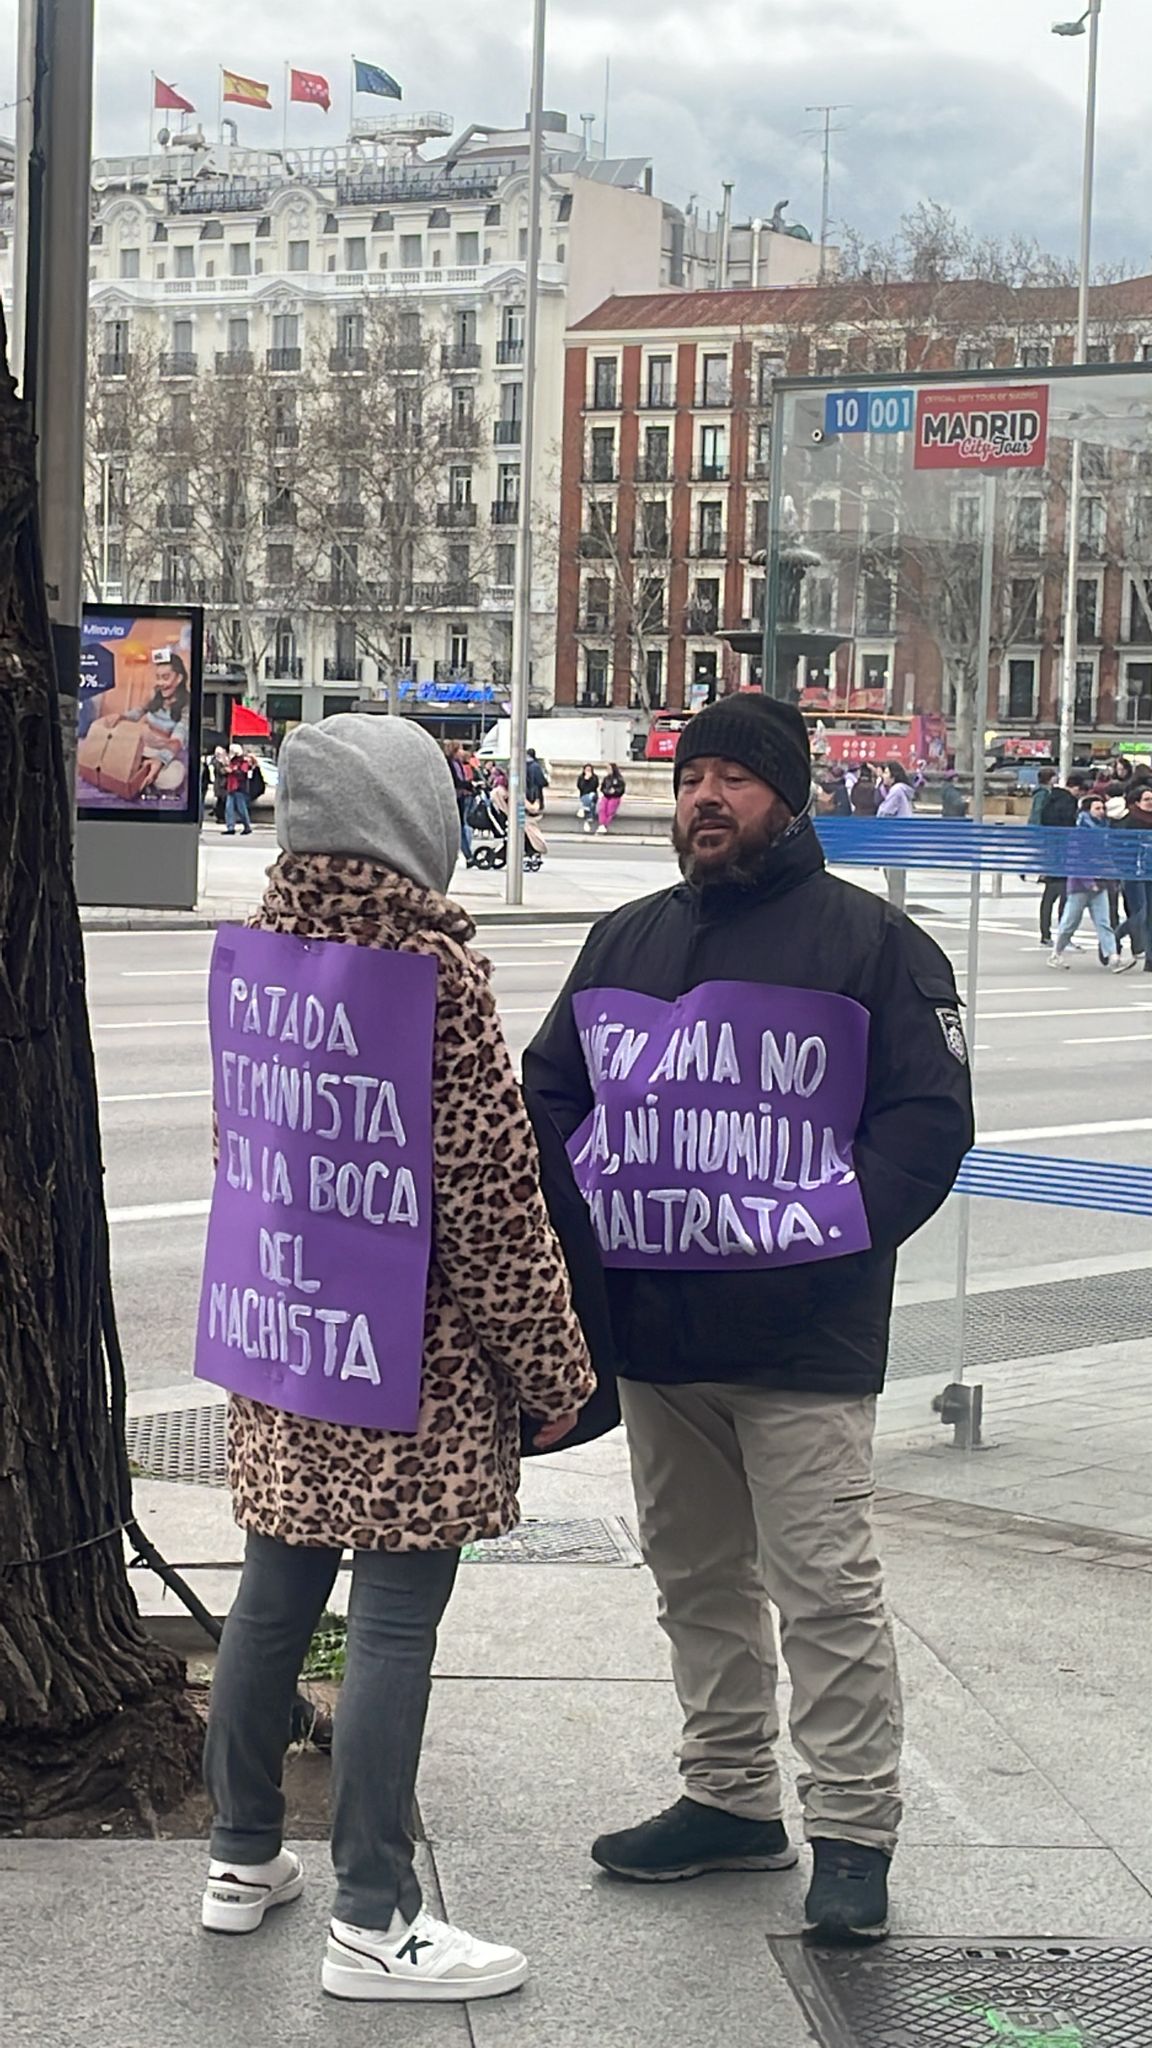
(92,1711)
(968,730)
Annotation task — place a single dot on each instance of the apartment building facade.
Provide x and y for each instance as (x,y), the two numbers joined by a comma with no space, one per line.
(308,397)
(665,505)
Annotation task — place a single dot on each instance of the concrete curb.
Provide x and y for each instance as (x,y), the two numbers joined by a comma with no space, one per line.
(192,921)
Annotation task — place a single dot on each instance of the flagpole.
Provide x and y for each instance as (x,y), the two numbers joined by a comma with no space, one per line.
(286,70)
(220,107)
(151,112)
(351,97)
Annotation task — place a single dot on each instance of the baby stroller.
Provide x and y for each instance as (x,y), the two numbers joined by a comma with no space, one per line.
(488,824)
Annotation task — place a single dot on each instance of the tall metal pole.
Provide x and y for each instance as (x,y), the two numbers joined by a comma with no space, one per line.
(522,595)
(971,990)
(56,55)
(1071,617)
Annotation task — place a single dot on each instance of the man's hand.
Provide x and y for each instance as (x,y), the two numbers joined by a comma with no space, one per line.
(550,1434)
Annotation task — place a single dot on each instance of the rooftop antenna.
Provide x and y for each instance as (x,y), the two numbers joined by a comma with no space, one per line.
(828,131)
(607,97)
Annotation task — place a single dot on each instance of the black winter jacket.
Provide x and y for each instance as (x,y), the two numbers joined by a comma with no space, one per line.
(822,1326)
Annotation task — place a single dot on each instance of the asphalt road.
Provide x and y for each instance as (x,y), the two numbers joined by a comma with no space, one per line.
(1063,1067)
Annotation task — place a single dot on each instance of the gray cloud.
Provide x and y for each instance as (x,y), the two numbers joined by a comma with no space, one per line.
(709,93)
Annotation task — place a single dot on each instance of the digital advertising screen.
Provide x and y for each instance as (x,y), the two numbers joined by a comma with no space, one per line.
(138,729)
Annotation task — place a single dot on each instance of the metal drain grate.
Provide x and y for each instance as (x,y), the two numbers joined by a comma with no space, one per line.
(1021,1322)
(963,1994)
(602,1540)
(180,1443)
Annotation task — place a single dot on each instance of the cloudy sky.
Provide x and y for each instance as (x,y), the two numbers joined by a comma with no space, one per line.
(975,104)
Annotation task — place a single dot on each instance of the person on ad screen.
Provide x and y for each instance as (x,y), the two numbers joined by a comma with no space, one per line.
(167,711)
(799,1103)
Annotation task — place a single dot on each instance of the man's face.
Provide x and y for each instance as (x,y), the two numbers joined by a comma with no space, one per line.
(1096,807)
(726,818)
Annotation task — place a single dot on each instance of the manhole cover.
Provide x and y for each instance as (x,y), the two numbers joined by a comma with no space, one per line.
(1021,1322)
(993,1994)
(180,1443)
(602,1540)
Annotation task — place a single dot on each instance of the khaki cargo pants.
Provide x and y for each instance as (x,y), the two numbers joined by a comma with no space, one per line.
(748,1496)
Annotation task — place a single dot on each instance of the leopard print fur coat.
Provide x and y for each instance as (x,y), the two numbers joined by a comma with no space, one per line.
(499,1332)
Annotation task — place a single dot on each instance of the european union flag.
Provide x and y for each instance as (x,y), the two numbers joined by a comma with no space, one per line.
(370,78)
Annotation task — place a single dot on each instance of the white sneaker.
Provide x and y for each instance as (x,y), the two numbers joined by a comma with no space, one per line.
(1059,960)
(1118,964)
(425,1960)
(238,1895)
(601,828)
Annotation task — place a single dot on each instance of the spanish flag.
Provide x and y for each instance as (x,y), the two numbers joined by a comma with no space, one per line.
(243,92)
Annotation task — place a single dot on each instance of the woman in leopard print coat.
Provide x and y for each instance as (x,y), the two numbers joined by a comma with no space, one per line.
(366,813)
(499,1334)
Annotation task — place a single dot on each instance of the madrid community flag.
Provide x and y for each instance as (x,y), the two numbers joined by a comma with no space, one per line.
(370,78)
(243,92)
(309,87)
(166,96)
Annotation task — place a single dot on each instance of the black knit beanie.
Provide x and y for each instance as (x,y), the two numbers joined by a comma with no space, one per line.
(768,738)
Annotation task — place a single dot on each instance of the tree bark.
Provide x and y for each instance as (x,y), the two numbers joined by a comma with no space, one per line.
(92,1711)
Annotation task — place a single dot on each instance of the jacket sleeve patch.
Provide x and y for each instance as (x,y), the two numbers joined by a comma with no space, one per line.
(954,1039)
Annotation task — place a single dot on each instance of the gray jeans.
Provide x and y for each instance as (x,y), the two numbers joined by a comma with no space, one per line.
(395,1606)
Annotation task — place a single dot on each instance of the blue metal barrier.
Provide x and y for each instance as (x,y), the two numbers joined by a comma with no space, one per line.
(1115,855)
(1062,1183)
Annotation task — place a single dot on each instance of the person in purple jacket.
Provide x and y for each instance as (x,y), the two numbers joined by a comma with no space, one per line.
(897,800)
(1087,890)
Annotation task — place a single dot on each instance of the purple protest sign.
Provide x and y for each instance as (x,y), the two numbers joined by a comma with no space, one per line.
(316,1266)
(722,1132)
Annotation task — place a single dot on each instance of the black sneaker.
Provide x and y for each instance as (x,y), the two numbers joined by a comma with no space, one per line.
(689,1840)
(847,1903)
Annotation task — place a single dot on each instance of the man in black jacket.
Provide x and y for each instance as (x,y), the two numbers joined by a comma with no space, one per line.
(763,1081)
(1061,806)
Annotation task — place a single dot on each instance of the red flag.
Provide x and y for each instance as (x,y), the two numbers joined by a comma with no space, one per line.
(309,86)
(167,96)
(249,724)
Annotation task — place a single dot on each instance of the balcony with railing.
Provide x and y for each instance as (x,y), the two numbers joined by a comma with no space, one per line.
(455,518)
(710,547)
(179,362)
(444,597)
(507,433)
(235,362)
(339,670)
(715,393)
(281,513)
(505,511)
(712,473)
(174,516)
(338,592)
(595,547)
(114,362)
(346,359)
(348,512)
(461,355)
(283,668)
(509,351)
(461,433)
(406,355)
(594,621)
(453,671)
(661,399)
(600,472)
(654,471)
(282,358)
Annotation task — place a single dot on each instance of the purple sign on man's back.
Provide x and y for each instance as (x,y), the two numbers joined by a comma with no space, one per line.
(316,1266)
(723,1126)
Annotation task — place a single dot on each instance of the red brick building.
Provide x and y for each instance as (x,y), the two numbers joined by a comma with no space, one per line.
(665,496)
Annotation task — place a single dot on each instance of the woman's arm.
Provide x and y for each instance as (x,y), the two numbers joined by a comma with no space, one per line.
(493,1242)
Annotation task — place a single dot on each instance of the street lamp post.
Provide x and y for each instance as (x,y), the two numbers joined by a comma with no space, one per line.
(1089,23)
(522,595)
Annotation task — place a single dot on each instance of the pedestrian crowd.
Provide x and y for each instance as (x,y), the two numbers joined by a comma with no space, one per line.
(1093,803)
(235,781)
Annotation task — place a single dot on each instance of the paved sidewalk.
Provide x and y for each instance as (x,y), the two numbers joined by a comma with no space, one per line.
(1029,1809)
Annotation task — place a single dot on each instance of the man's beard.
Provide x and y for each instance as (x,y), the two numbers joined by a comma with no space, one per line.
(747,862)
